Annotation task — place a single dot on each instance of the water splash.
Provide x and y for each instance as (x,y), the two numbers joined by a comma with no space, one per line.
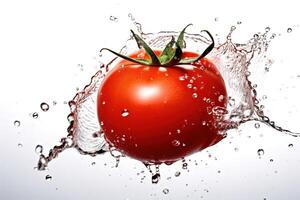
(233,61)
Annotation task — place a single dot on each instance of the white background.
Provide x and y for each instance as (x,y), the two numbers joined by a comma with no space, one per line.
(41,45)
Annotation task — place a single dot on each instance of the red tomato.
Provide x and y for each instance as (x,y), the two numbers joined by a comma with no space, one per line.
(161,114)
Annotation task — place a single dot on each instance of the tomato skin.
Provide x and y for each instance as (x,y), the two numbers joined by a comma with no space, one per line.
(160,114)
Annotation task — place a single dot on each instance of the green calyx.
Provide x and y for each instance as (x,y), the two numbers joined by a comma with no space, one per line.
(171,55)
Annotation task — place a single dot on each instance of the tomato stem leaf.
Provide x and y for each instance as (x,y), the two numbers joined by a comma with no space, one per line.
(135,60)
(180,39)
(171,55)
(209,48)
(176,57)
(142,43)
(205,52)
(168,52)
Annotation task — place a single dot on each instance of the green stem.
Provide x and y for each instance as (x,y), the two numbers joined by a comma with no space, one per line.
(171,55)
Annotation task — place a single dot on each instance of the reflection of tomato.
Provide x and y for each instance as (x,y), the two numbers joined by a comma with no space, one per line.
(159,114)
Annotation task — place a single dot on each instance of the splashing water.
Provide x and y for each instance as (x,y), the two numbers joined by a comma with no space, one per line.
(233,61)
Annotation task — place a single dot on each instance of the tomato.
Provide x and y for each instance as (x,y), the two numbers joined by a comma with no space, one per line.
(161,114)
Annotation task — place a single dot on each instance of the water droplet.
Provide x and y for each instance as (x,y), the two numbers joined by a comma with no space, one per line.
(184,165)
(271,160)
(257,125)
(239,22)
(231,102)
(195,95)
(20,145)
(113,18)
(267,69)
(219,112)
(216,19)
(48,177)
(256,36)
(181,78)
(155,178)
(289,30)
(177,173)
(54,103)
(166,191)
(267,29)
(176,143)
(260,152)
(264,97)
(35,115)
(17,123)
(44,106)
(219,171)
(39,149)
(93,163)
(96,134)
(273,36)
(130,16)
(236,149)
(178,131)
(125,113)
(189,85)
(220,98)
(162,69)
(290,145)
(42,163)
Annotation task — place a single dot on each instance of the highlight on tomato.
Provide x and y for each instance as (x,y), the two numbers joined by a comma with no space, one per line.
(156,105)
